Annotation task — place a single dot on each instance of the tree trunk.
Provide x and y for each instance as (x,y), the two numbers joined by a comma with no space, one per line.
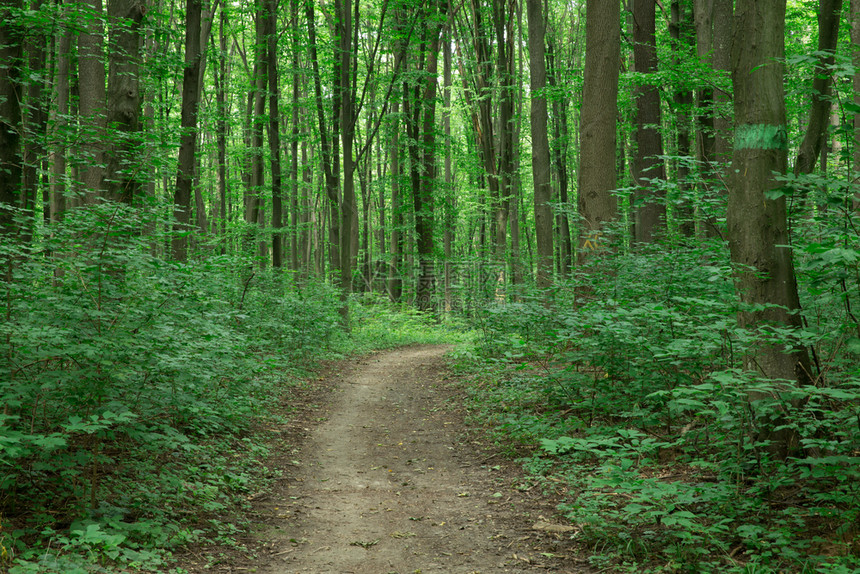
(61,97)
(91,101)
(722,59)
(683,103)
(650,201)
(221,124)
(757,223)
(705,142)
(275,134)
(36,121)
(330,150)
(829,12)
(597,204)
(559,157)
(855,59)
(11,158)
(540,144)
(123,102)
(188,123)
(343,91)
(395,282)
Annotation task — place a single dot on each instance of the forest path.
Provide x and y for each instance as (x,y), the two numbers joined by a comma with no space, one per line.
(385,485)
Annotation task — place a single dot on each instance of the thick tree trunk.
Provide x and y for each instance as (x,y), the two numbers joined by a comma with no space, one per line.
(650,201)
(829,13)
(91,102)
(188,123)
(597,179)
(757,224)
(124,99)
(540,144)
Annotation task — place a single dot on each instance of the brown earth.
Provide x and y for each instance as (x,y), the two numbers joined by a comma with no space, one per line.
(382,476)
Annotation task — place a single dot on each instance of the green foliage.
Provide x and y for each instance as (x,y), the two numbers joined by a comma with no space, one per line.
(126,381)
(629,388)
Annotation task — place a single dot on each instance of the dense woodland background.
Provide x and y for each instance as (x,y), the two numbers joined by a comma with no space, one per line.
(641,215)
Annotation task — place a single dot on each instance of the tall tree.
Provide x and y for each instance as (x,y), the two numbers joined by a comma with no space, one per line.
(757,222)
(92,100)
(188,123)
(60,94)
(597,177)
(829,12)
(123,98)
(274,133)
(328,141)
(683,99)
(11,158)
(650,205)
(540,143)
(36,114)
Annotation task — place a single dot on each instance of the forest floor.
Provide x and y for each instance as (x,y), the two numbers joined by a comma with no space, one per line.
(381,475)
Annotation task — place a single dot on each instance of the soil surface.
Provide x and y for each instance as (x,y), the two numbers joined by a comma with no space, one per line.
(381,476)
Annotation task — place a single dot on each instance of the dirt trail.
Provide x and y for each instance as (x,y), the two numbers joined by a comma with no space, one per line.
(383,485)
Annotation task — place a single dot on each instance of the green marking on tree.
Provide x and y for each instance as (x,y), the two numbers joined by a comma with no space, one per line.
(761,136)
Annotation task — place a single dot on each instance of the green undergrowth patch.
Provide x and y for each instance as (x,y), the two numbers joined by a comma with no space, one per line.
(137,395)
(378,324)
(633,398)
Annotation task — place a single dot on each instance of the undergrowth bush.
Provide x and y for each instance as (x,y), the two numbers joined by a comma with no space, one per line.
(629,386)
(125,379)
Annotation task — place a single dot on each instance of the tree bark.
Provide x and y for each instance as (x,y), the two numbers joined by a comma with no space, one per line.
(757,223)
(36,120)
(855,59)
(61,114)
(540,144)
(11,157)
(330,149)
(597,178)
(829,12)
(275,134)
(395,282)
(188,123)
(124,99)
(91,102)
(650,201)
(683,103)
